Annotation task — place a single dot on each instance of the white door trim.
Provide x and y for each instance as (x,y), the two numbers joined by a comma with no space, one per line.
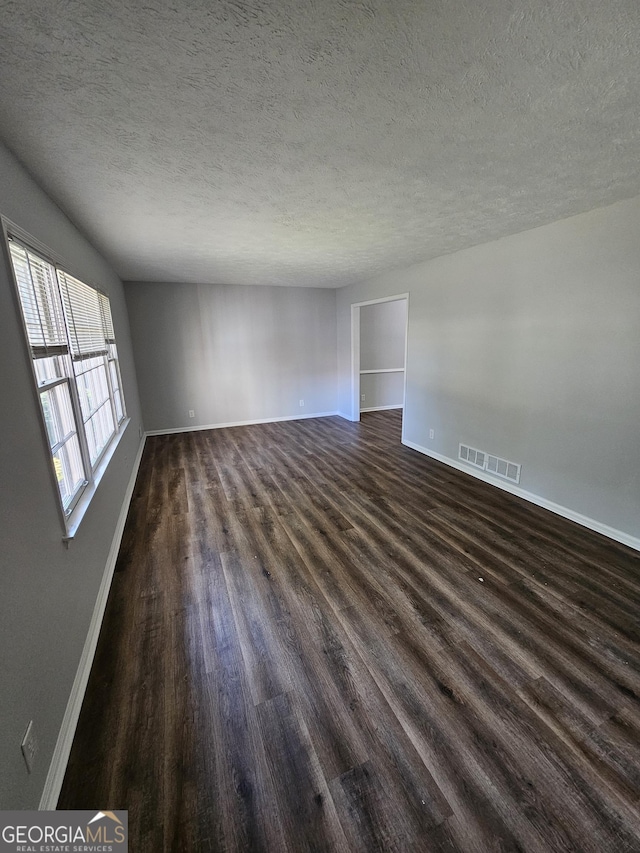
(355,351)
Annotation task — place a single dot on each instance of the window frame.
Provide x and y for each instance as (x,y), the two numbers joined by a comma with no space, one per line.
(71,513)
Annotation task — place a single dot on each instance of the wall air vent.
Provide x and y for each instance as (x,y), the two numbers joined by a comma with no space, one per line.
(472,456)
(503,468)
(487,462)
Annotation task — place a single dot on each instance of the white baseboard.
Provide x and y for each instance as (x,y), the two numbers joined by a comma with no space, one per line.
(558,509)
(242,423)
(60,758)
(379,408)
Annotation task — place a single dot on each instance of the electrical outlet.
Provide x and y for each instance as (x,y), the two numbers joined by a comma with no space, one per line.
(29,746)
(301,403)
(432,433)
(362,398)
(192,414)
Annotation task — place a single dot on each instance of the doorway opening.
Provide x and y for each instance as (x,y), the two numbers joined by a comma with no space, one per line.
(379,355)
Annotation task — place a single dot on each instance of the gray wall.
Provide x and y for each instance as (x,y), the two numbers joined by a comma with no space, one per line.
(529,347)
(382,333)
(381,390)
(47,592)
(232,353)
(382,346)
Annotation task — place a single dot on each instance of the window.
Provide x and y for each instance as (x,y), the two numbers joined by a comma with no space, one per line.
(75,364)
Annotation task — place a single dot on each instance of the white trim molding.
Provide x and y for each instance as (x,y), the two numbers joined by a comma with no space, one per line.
(558,509)
(355,351)
(241,423)
(381,408)
(60,758)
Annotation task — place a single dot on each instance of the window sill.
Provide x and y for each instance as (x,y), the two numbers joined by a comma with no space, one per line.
(72,523)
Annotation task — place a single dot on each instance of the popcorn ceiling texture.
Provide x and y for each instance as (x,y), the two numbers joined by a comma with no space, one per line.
(299,142)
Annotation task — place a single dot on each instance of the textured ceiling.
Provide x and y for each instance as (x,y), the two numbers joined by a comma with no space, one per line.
(302,142)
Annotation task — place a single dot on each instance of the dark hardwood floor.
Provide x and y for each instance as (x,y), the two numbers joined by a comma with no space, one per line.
(319,640)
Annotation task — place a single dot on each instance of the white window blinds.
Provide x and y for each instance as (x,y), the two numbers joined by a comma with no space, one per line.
(88,317)
(41,306)
(105,307)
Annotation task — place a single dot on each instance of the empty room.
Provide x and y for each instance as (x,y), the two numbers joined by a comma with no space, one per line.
(321,425)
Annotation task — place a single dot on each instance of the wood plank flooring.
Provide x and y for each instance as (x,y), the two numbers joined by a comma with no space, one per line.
(319,640)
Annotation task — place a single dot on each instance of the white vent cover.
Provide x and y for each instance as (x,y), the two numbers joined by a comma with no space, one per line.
(492,464)
(503,468)
(472,456)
